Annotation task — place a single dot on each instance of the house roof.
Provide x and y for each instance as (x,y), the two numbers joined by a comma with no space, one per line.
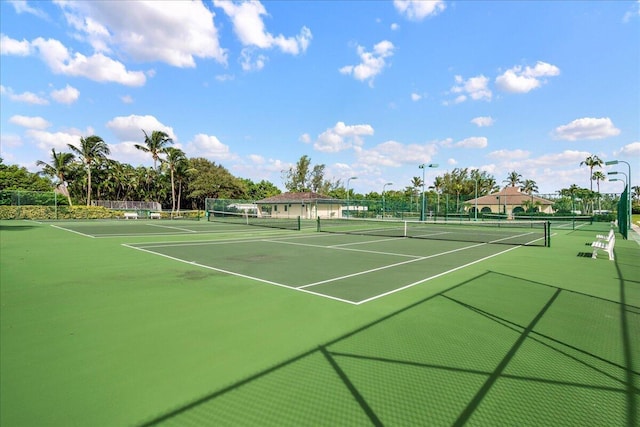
(294,197)
(510,196)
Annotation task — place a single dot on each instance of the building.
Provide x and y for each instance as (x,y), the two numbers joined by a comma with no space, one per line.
(509,201)
(306,205)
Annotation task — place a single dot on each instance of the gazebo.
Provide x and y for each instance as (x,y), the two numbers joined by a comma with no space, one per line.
(509,201)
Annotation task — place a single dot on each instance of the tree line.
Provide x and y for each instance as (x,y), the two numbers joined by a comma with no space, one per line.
(86,173)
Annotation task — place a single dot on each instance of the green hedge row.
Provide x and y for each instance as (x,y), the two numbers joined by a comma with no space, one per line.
(62,212)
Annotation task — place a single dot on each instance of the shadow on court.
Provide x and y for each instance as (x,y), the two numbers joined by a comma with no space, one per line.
(496,348)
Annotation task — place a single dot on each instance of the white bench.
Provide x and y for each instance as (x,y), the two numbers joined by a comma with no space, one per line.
(608,237)
(154,215)
(131,215)
(606,246)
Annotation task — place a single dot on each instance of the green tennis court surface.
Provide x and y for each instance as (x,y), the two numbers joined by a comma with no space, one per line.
(342,267)
(198,323)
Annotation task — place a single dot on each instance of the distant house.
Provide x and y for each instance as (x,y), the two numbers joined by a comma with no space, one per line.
(307,205)
(509,201)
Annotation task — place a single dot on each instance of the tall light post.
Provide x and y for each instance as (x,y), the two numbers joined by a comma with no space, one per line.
(423,167)
(475,213)
(615,162)
(353,177)
(384,210)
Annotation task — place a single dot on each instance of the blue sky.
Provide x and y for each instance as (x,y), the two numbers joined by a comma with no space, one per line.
(370,89)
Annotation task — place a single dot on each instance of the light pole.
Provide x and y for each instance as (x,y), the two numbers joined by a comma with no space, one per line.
(615,162)
(475,213)
(384,210)
(423,167)
(627,185)
(353,177)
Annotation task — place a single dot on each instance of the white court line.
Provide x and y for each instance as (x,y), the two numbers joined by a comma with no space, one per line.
(340,248)
(389,266)
(433,277)
(367,242)
(269,282)
(252,239)
(73,231)
(173,228)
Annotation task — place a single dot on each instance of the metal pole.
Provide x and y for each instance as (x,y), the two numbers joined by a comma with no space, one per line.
(384,210)
(476,209)
(353,177)
(423,167)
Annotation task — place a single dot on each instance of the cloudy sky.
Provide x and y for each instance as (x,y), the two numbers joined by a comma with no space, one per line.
(370,89)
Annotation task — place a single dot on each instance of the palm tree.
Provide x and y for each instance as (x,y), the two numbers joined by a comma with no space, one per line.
(438,186)
(591,161)
(513,178)
(92,148)
(529,186)
(58,168)
(175,157)
(636,192)
(597,177)
(155,144)
(416,183)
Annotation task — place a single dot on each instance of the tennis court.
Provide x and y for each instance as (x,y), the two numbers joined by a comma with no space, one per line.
(154,322)
(353,269)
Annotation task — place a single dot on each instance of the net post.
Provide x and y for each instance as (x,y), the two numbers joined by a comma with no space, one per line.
(547,233)
(299,225)
(318,224)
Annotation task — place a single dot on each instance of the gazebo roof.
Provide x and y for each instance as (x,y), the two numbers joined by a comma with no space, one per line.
(294,198)
(510,196)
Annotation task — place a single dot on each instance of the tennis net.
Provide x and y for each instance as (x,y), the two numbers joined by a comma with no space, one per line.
(254,219)
(531,233)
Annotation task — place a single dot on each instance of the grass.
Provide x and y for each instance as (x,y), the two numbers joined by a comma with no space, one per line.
(96,333)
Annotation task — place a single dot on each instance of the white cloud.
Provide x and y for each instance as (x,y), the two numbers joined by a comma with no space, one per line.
(629,150)
(58,140)
(509,154)
(9,140)
(30,122)
(209,146)
(519,80)
(634,12)
(149,30)
(97,67)
(9,46)
(130,128)
(250,60)
(128,153)
(68,95)
(472,142)
(482,121)
(587,128)
(250,29)
(342,137)
(26,97)
(475,87)
(305,138)
(372,63)
(394,27)
(127,99)
(417,10)
(396,154)
(416,97)
(256,159)
(21,6)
